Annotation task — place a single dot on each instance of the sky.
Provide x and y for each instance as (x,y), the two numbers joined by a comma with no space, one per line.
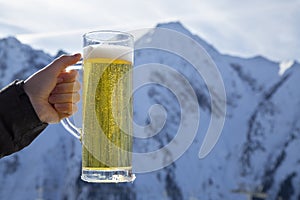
(270,28)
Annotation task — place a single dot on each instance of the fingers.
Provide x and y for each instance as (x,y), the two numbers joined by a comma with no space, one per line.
(65,94)
(58,65)
(68,76)
(64,104)
(64,98)
(65,109)
(66,88)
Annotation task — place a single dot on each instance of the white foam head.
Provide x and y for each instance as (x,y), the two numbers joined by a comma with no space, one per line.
(108,51)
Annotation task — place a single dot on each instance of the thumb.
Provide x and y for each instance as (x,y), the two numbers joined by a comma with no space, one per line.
(58,65)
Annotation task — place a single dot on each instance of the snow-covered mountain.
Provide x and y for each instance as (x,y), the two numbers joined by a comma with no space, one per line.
(257,151)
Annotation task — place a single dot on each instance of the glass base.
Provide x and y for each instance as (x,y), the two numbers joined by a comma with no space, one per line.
(107,176)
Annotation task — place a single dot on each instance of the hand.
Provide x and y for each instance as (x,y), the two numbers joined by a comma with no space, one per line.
(53,91)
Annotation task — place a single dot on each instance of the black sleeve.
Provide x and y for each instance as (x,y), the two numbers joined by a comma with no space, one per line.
(19,124)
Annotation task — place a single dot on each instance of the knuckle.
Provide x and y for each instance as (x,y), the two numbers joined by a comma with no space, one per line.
(52,98)
(74,108)
(76,97)
(64,107)
(77,86)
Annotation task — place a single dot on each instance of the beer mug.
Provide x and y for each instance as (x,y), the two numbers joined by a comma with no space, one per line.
(106,132)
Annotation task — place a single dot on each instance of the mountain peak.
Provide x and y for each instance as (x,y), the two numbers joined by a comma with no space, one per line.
(179,27)
(175,23)
(10,41)
(176,26)
(18,60)
(59,53)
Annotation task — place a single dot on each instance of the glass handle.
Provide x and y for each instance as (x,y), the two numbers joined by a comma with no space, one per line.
(71,128)
(67,124)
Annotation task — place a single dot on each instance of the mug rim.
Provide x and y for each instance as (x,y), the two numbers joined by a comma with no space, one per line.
(113,32)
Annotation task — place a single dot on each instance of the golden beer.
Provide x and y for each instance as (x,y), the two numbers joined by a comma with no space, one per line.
(107,114)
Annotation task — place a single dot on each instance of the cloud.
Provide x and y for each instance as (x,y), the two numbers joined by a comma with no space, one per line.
(244,28)
(9,29)
(269,28)
(52,42)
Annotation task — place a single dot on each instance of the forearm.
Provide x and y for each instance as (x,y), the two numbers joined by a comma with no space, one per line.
(19,124)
